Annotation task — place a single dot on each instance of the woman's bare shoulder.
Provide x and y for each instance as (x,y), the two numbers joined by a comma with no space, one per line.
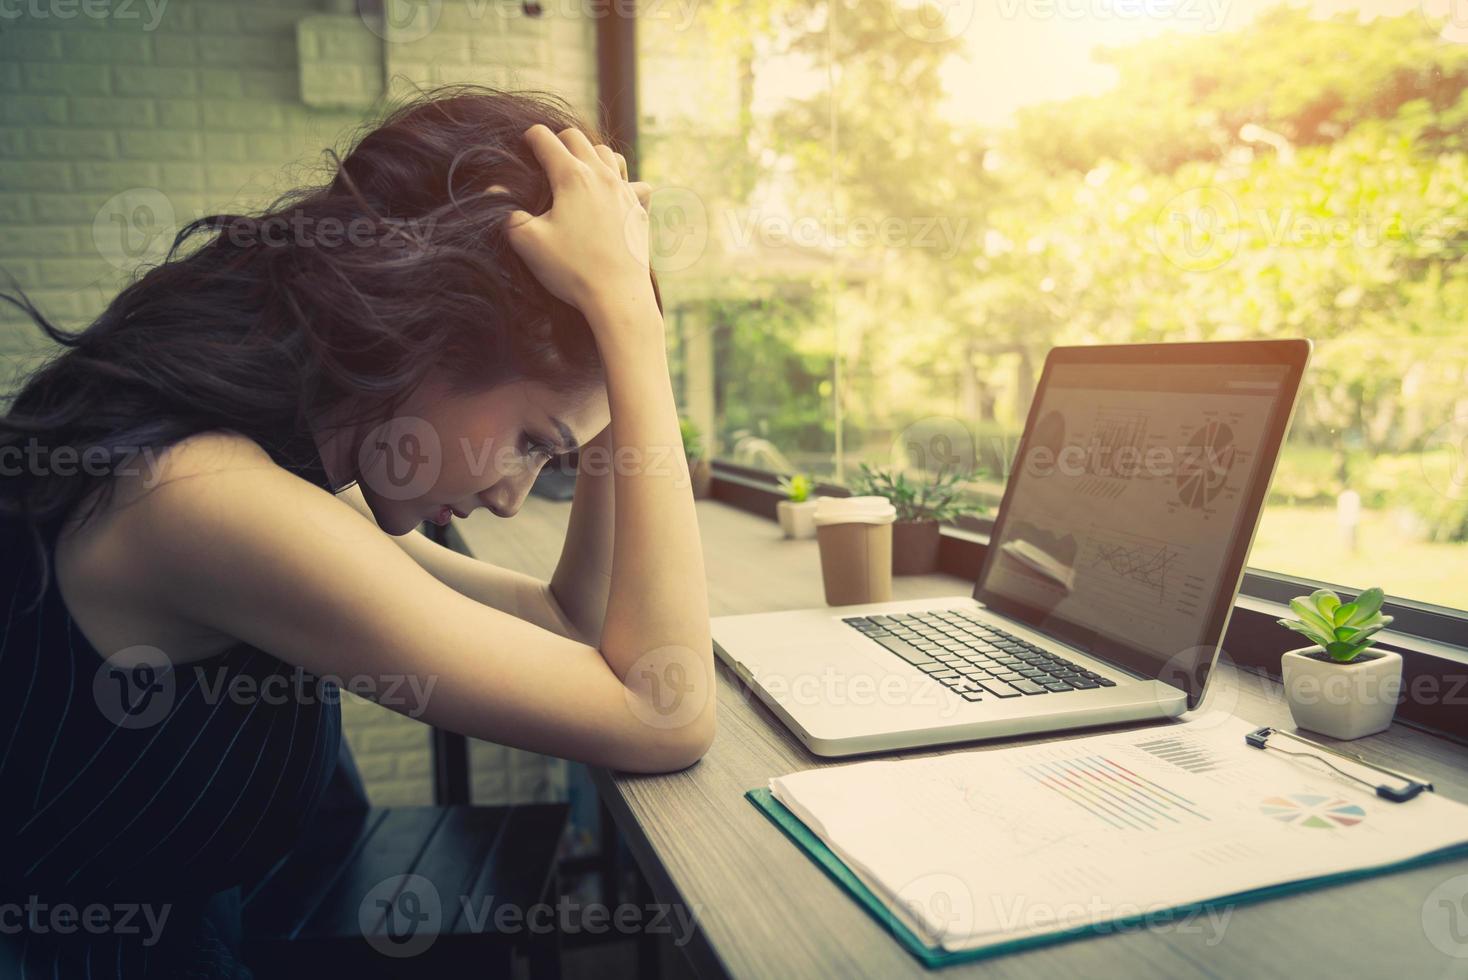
(207,453)
(167,511)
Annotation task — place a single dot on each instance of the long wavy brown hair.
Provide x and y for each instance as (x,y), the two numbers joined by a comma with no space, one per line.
(340,295)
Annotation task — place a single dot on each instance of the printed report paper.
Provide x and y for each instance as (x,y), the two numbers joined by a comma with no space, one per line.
(984,847)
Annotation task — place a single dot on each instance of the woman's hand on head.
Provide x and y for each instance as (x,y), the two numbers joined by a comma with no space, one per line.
(591,248)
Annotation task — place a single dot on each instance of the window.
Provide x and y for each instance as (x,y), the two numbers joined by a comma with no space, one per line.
(874,219)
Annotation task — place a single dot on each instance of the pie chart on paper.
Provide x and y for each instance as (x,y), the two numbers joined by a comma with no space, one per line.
(1312,810)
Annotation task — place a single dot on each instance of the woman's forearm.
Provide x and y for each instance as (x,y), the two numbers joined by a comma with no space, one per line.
(657,607)
(583,575)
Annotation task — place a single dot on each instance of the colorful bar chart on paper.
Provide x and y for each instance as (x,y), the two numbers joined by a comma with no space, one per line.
(1114,793)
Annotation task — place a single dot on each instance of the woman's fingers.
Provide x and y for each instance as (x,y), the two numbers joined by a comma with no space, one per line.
(555,158)
(606,156)
(580,147)
(519,231)
(618,163)
(558,152)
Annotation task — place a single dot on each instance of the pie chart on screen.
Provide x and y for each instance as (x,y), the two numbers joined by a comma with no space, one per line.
(1205,464)
(1312,810)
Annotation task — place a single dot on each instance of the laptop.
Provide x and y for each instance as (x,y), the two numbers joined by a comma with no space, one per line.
(1112,566)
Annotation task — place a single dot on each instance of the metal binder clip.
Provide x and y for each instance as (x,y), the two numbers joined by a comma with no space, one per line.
(1411,785)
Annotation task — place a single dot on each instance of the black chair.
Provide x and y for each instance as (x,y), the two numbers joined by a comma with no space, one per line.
(440,891)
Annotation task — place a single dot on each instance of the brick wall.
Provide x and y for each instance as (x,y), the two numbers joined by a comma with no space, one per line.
(120,121)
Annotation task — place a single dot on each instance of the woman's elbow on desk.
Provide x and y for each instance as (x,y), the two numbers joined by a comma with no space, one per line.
(672,752)
(672,697)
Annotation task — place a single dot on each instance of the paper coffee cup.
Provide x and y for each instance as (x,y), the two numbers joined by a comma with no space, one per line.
(855,538)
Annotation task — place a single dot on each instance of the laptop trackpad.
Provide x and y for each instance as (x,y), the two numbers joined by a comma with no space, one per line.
(825,674)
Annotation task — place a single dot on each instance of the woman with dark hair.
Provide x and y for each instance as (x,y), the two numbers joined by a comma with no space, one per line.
(196,489)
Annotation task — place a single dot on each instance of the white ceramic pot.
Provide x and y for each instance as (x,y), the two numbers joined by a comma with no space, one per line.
(797,520)
(1342,700)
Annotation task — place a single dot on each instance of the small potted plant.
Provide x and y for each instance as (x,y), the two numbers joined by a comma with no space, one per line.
(699,470)
(1338,685)
(797,511)
(922,507)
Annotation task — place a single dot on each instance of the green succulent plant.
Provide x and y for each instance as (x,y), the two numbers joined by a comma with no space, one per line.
(1342,630)
(797,488)
(937,499)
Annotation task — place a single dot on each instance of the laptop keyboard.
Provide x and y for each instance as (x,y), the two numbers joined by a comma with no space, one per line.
(972,658)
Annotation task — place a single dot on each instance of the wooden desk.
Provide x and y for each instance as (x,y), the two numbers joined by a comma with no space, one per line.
(764,910)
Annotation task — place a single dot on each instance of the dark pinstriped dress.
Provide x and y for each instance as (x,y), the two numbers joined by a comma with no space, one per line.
(138,797)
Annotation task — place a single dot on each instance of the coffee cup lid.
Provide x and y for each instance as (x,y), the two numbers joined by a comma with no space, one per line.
(854,510)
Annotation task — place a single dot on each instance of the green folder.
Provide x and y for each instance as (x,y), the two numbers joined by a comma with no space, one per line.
(936,956)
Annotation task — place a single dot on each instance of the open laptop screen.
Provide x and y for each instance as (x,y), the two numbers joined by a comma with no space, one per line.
(1134,497)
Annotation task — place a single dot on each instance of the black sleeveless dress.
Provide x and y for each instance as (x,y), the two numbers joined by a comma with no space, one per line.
(138,797)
